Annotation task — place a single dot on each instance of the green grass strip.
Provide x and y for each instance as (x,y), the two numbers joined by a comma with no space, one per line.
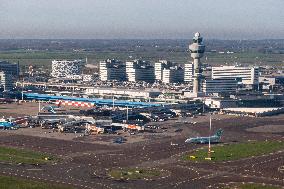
(134,173)
(13,155)
(15,183)
(236,151)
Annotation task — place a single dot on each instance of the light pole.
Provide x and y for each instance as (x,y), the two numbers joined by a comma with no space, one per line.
(112,102)
(209,142)
(39,106)
(23,90)
(127,113)
(22,95)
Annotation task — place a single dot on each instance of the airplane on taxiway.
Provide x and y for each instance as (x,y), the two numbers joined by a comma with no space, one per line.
(205,140)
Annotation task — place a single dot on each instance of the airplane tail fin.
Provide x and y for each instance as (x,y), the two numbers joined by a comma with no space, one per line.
(59,104)
(52,110)
(219,133)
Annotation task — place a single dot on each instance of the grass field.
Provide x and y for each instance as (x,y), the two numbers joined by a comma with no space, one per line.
(15,183)
(13,155)
(236,151)
(44,58)
(254,186)
(134,173)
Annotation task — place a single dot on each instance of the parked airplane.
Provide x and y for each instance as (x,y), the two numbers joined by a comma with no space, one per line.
(202,140)
(51,109)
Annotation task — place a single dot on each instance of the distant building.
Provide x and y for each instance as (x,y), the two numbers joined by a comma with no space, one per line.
(6,81)
(245,75)
(12,69)
(168,72)
(87,78)
(188,72)
(271,82)
(221,86)
(159,67)
(220,103)
(66,68)
(173,75)
(112,70)
(139,70)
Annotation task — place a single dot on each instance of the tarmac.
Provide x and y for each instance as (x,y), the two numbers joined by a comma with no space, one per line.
(85,163)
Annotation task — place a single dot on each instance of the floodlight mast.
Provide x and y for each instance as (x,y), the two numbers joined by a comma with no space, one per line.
(127,113)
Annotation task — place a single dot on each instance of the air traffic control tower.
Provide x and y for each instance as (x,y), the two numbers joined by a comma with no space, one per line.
(197,49)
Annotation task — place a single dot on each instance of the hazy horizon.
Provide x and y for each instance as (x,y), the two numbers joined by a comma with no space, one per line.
(219,39)
(141,19)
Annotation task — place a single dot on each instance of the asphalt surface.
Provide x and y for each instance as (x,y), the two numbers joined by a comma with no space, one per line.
(86,165)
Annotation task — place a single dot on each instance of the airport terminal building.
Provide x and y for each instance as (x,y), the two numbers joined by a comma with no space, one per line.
(220,86)
(245,75)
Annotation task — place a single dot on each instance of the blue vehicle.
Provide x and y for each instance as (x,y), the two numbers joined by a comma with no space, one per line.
(6,124)
(119,140)
(205,140)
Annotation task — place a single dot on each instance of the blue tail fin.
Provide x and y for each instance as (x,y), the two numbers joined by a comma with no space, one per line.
(219,133)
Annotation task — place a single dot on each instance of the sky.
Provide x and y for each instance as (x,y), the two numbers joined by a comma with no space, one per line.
(141,19)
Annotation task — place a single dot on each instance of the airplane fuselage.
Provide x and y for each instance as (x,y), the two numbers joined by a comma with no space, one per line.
(203,140)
